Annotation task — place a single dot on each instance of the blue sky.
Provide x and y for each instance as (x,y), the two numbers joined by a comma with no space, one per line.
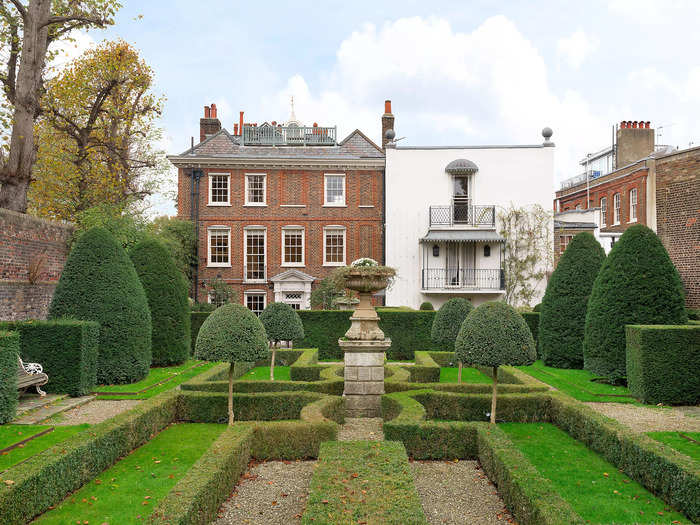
(479,72)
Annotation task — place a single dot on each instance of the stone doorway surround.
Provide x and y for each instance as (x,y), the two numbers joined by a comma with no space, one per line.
(293,281)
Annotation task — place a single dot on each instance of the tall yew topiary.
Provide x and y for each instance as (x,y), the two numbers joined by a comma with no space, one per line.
(563,310)
(166,289)
(281,323)
(99,284)
(637,284)
(446,324)
(232,333)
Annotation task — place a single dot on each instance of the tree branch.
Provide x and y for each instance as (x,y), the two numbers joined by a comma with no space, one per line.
(84,20)
(20,8)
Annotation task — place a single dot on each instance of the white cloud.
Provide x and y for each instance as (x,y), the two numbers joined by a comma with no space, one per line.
(69,49)
(576,48)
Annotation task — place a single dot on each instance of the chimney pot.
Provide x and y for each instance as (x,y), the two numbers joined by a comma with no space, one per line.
(213,111)
(207,113)
(240,127)
(235,129)
(648,124)
(315,124)
(634,124)
(274,122)
(387,106)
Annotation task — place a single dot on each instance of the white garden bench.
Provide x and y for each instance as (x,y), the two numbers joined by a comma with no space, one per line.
(31,374)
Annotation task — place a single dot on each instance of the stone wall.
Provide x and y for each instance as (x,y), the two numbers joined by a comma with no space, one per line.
(32,254)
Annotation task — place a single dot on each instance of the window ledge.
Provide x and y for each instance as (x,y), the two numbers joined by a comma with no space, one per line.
(292,205)
(366,206)
(218,265)
(219,204)
(254,205)
(631,221)
(293,265)
(254,281)
(334,264)
(335,206)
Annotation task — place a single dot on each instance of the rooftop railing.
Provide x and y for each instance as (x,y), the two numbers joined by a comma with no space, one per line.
(288,136)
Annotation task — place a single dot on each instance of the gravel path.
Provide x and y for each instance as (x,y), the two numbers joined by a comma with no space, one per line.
(455,493)
(361,429)
(93,412)
(651,419)
(273,492)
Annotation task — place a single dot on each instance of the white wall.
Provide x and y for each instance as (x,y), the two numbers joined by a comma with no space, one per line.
(416,179)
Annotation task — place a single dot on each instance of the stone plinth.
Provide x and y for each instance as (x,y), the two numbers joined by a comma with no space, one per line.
(364,376)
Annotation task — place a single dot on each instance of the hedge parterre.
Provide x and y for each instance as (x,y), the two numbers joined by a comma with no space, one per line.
(9,350)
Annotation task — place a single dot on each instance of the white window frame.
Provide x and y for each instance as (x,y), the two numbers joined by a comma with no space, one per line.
(303,246)
(211,229)
(245,253)
(345,244)
(603,212)
(633,205)
(264,201)
(228,187)
(617,208)
(248,293)
(564,245)
(326,204)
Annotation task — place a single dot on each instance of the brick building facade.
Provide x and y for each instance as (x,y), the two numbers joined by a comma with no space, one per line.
(278,207)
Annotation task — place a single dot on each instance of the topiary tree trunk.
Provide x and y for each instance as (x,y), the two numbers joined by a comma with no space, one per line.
(493,394)
(459,372)
(230,393)
(272,360)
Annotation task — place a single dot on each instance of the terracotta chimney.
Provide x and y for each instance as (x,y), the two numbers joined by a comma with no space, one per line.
(387,122)
(213,111)
(209,125)
(235,129)
(207,112)
(240,122)
(635,141)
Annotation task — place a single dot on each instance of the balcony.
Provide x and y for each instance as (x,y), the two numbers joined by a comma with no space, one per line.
(288,136)
(463,214)
(462,279)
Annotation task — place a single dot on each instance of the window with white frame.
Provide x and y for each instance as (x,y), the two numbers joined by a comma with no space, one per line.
(292,246)
(255,189)
(334,190)
(219,246)
(633,205)
(219,189)
(564,241)
(254,254)
(334,246)
(616,208)
(603,211)
(255,301)
(293,299)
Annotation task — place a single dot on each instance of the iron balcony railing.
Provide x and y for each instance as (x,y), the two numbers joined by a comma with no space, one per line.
(463,279)
(255,273)
(463,214)
(288,136)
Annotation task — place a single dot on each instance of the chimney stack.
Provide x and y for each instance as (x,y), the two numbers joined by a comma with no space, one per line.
(210,124)
(387,122)
(635,140)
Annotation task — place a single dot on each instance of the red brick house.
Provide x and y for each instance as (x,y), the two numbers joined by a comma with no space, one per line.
(277,207)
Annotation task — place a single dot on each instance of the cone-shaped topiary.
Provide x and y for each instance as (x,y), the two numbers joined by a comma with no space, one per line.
(495,334)
(281,323)
(563,311)
(232,333)
(446,323)
(166,289)
(99,283)
(637,284)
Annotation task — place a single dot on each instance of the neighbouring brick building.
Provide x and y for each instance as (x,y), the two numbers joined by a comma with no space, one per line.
(634,181)
(278,206)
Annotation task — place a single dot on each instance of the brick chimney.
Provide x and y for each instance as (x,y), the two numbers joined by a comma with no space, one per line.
(387,122)
(210,124)
(635,140)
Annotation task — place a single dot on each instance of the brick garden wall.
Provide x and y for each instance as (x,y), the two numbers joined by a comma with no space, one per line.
(28,242)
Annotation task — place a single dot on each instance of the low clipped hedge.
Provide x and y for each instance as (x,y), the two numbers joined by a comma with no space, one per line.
(306,367)
(196,321)
(663,363)
(693,314)
(9,350)
(533,322)
(425,370)
(66,349)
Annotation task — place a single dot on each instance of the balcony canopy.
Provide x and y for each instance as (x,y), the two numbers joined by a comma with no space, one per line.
(461,167)
(462,236)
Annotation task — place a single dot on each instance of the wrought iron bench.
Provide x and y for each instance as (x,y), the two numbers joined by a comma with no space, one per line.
(31,374)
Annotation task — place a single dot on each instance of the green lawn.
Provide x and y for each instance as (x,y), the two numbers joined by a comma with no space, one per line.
(689,447)
(128,492)
(262,373)
(592,486)
(578,384)
(11,434)
(448,374)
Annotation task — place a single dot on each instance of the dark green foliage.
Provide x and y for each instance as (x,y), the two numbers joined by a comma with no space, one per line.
(495,334)
(179,237)
(663,364)
(520,408)
(232,333)
(292,439)
(447,322)
(427,306)
(9,350)
(196,321)
(637,284)
(563,315)
(202,307)
(66,349)
(322,297)
(537,307)
(99,284)
(693,314)
(306,367)
(425,370)
(281,323)
(166,289)
(533,322)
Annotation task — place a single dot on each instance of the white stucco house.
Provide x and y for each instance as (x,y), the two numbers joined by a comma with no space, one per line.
(442,207)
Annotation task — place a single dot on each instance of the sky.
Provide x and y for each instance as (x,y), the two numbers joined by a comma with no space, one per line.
(457,72)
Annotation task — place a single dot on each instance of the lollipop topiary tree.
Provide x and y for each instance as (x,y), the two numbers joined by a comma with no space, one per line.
(495,334)
(281,323)
(446,324)
(232,333)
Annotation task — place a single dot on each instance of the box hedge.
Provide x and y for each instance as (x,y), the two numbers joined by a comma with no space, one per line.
(66,349)
(533,322)
(447,321)
(306,367)
(663,363)
(9,350)
(425,370)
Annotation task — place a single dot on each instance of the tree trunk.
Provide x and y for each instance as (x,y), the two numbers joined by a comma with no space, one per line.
(459,373)
(230,394)
(272,362)
(493,395)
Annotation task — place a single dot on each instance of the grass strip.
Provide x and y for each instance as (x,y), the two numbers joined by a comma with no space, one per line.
(448,374)
(593,487)
(262,373)
(19,433)
(687,443)
(127,492)
(363,482)
(155,376)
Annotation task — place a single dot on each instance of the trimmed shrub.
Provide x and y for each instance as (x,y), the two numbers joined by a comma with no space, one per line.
(166,289)
(425,370)
(537,307)
(427,306)
(637,284)
(563,315)
(281,323)
(663,363)
(196,321)
(306,368)
(693,314)
(447,322)
(99,284)
(533,323)
(66,349)
(9,350)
